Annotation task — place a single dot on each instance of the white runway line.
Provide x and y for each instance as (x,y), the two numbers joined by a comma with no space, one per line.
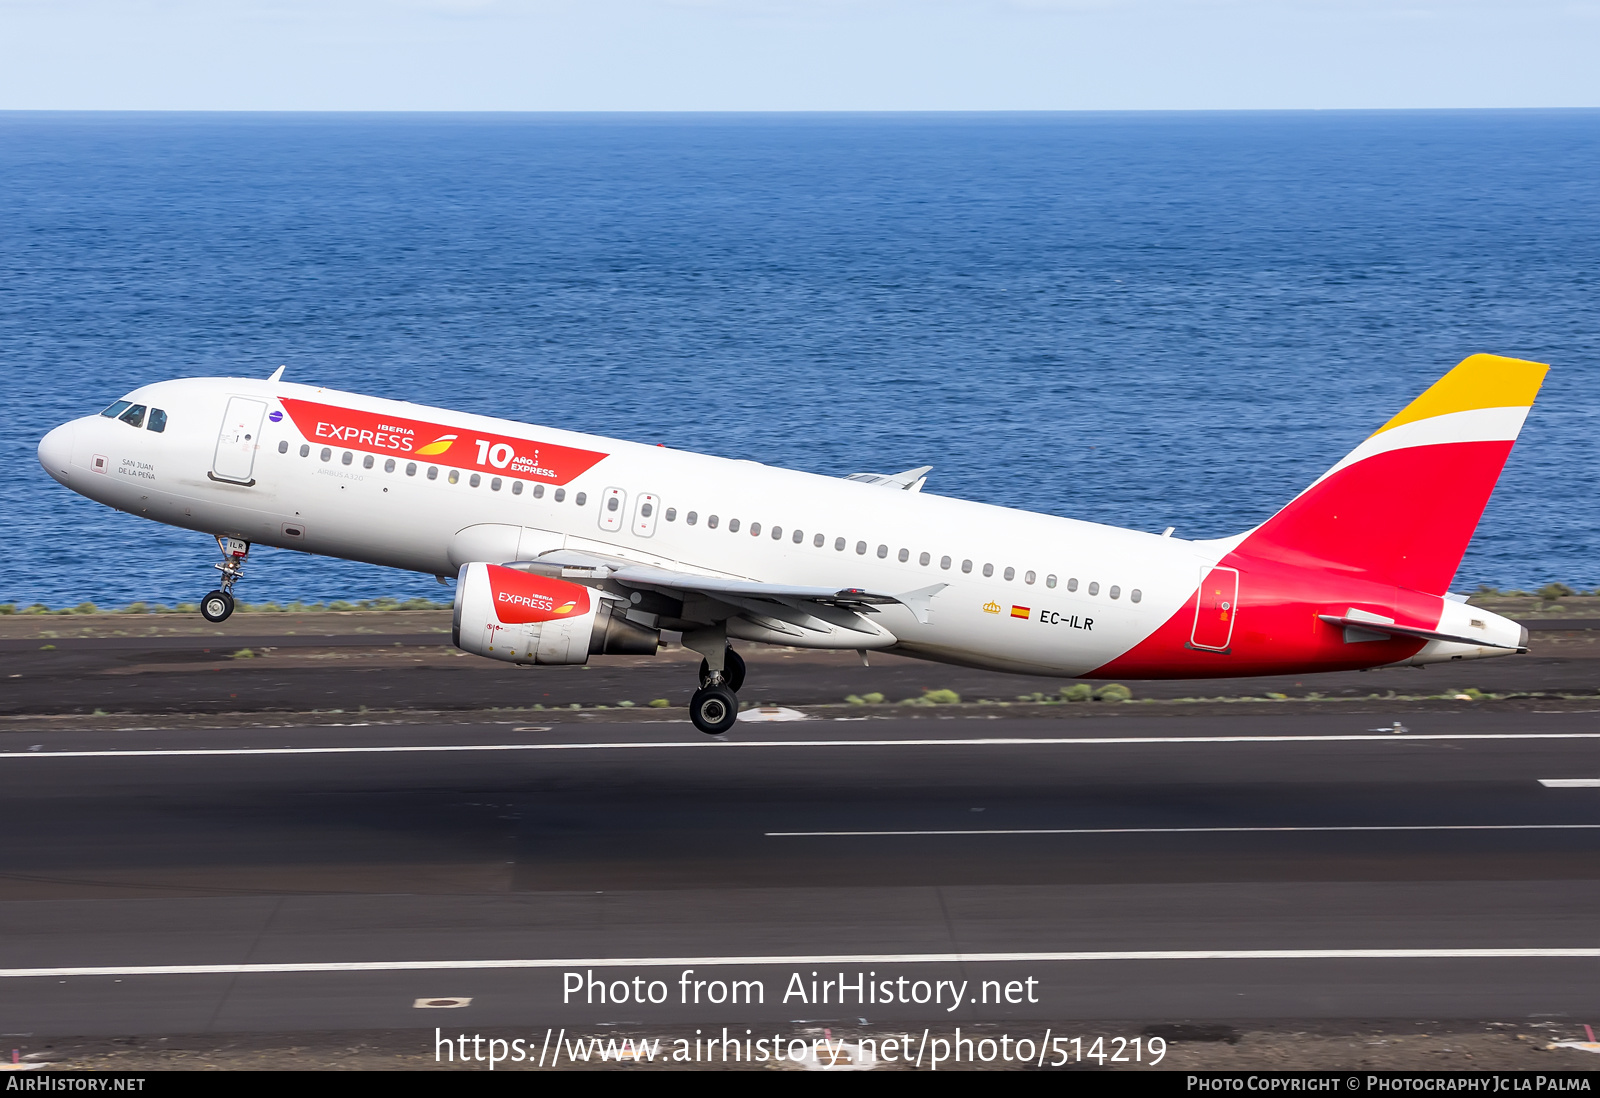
(1578,953)
(717,745)
(1570,783)
(1186,830)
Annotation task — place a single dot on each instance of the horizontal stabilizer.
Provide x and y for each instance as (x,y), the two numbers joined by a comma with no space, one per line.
(1367,625)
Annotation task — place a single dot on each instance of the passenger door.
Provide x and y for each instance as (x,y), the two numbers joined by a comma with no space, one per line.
(235,458)
(1216,609)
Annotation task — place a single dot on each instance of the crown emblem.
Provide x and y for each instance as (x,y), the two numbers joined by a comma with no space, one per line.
(991,608)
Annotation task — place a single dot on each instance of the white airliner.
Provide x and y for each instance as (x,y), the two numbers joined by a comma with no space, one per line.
(567,545)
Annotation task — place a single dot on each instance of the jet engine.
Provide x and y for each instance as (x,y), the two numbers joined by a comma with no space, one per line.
(521,617)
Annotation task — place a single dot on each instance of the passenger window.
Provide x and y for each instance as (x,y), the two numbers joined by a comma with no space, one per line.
(516,487)
(305,450)
(1011,573)
(494,485)
(411,468)
(158,421)
(433,472)
(838,545)
(1072,584)
(133,417)
(366,462)
(561,494)
(1094,587)
(327,454)
(388,466)
(755,529)
(818,541)
(798,537)
(905,555)
(283,447)
(1049,581)
(1135,595)
(1029,578)
(691,518)
(711,523)
(944,562)
(733,526)
(777,533)
(924,559)
(580,499)
(347,458)
(455,476)
(612,504)
(988,570)
(645,509)
(671,514)
(116,408)
(1115,592)
(861,548)
(966,566)
(538,491)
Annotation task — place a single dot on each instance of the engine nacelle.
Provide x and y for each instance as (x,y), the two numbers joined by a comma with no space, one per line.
(521,617)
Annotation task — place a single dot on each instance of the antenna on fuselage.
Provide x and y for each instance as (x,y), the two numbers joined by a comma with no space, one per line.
(277,375)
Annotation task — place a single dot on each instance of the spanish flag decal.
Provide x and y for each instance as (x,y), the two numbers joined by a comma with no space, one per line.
(1020,612)
(437,446)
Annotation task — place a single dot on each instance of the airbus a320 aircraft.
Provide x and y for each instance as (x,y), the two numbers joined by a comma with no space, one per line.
(567,545)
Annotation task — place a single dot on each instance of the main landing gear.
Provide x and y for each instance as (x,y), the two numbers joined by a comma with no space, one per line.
(218,604)
(715,706)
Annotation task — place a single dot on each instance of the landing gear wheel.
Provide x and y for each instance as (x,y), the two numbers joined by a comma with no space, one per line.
(713,709)
(732,671)
(216,606)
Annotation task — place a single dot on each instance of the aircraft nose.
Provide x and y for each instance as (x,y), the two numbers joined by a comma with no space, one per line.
(55,452)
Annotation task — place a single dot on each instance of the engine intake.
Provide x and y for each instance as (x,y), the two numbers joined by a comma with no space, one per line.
(521,617)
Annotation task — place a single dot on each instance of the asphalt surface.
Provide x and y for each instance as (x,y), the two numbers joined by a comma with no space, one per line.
(876,845)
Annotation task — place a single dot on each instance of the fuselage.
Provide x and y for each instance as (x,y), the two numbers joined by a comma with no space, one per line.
(365,478)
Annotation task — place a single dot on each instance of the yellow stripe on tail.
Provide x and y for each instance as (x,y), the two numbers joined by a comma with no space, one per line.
(1482,381)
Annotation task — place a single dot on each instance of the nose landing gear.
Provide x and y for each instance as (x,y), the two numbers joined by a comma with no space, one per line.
(218,604)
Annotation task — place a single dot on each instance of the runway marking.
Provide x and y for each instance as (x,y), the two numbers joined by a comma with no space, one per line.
(268,968)
(1570,783)
(1188,830)
(721,745)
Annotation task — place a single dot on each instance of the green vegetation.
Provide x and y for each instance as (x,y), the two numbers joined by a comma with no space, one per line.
(244,654)
(660,703)
(1077,692)
(935,697)
(1113,692)
(873,698)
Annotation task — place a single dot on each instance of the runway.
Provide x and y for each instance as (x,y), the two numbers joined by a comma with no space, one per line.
(1267,866)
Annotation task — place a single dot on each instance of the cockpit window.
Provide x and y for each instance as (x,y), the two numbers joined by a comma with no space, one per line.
(158,420)
(117,409)
(134,416)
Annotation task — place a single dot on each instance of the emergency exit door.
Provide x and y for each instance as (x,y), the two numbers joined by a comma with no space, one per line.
(235,458)
(1216,609)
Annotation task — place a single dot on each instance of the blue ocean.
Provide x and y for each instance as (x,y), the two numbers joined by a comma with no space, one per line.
(1149,320)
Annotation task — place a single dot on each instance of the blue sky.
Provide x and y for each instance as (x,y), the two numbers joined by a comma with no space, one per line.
(796,54)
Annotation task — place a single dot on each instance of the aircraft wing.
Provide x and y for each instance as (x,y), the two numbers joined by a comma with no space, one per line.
(911,480)
(794,605)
